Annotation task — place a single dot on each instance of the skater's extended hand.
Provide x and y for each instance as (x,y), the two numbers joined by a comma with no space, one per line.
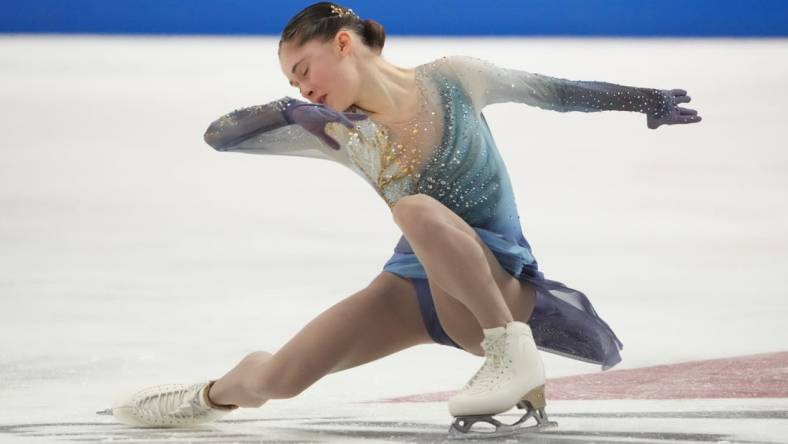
(675,114)
(314,117)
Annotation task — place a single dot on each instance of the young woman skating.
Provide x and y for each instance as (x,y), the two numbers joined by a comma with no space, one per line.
(462,274)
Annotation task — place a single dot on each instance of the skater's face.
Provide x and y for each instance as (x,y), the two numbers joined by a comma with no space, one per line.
(319,69)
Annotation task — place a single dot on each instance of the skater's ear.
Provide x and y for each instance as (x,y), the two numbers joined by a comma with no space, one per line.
(343,43)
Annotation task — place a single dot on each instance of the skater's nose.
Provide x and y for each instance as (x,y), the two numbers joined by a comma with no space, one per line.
(309,95)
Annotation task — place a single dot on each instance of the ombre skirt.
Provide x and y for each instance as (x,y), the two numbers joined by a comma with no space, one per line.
(563,321)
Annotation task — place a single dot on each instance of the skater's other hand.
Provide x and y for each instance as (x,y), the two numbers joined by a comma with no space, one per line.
(314,116)
(675,114)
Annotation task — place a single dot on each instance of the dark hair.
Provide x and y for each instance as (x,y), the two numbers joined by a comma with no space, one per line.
(324,19)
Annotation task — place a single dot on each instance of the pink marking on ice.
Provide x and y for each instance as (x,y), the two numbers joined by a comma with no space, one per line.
(753,376)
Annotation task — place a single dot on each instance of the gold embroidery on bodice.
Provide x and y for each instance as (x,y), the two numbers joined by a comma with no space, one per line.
(404,148)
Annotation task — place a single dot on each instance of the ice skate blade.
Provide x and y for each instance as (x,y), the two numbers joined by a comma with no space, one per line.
(461,427)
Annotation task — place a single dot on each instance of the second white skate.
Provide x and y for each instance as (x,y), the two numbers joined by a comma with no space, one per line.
(512,375)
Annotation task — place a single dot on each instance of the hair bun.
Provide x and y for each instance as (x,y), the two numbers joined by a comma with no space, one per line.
(324,19)
(374,34)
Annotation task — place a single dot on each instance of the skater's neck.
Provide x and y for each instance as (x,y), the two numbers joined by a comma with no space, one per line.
(387,92)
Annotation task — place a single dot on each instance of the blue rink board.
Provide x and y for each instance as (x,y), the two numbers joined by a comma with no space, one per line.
(766,18)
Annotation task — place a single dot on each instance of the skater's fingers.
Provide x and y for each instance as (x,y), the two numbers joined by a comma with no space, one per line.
(687,111)
(683,120)
(678,92)
(330,141)
(653,124)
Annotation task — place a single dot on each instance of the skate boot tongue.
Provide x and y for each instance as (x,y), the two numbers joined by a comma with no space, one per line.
(495,338)
(494,345)
(495,331)
(494,342)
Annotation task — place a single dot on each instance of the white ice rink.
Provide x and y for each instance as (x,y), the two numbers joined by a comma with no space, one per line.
(133,254)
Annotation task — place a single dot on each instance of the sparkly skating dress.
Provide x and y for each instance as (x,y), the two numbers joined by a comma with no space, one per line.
(447,152)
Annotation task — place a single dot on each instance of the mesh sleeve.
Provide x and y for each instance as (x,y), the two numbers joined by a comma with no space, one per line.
(262,129)
(488,84)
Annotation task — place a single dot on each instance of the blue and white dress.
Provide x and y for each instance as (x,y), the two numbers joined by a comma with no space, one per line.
(448,153)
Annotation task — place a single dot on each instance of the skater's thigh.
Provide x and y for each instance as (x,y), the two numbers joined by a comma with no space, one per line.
(374,322)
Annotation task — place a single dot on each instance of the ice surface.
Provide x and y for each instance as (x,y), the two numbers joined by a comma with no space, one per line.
(131,253)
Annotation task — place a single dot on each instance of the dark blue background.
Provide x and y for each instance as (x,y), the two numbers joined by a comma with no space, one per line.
(449,17)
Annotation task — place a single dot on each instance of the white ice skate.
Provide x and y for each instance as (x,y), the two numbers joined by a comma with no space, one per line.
(512,375)
(169,405)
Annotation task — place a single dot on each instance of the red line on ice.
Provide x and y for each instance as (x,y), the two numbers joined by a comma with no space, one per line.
(753,376)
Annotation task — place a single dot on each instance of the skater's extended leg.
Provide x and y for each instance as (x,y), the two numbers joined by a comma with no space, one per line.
(379,320)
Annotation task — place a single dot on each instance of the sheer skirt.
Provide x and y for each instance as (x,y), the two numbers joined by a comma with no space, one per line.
(563,321)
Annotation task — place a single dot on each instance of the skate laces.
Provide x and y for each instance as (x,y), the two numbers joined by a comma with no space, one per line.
(495,350)
(172,404)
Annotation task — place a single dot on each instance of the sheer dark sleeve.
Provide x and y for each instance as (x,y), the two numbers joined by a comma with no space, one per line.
(489,84)
(262,129)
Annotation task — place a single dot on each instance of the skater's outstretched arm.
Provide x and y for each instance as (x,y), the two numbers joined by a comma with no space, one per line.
(488,84)
(285,127)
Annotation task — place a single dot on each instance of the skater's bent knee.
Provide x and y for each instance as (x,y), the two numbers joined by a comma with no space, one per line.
(420,223)
(409,208)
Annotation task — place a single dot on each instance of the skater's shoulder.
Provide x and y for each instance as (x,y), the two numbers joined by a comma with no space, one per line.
(443,62)
(449,66)
(459,66)
(460,61)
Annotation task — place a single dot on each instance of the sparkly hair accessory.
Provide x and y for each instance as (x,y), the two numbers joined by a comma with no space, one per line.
(341,12)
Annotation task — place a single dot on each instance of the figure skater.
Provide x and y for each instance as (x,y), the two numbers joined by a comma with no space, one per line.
(462,273)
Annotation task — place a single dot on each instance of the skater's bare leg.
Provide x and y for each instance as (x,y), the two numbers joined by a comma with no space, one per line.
(470,288)
(379,320)
(235,386)
(461,325)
